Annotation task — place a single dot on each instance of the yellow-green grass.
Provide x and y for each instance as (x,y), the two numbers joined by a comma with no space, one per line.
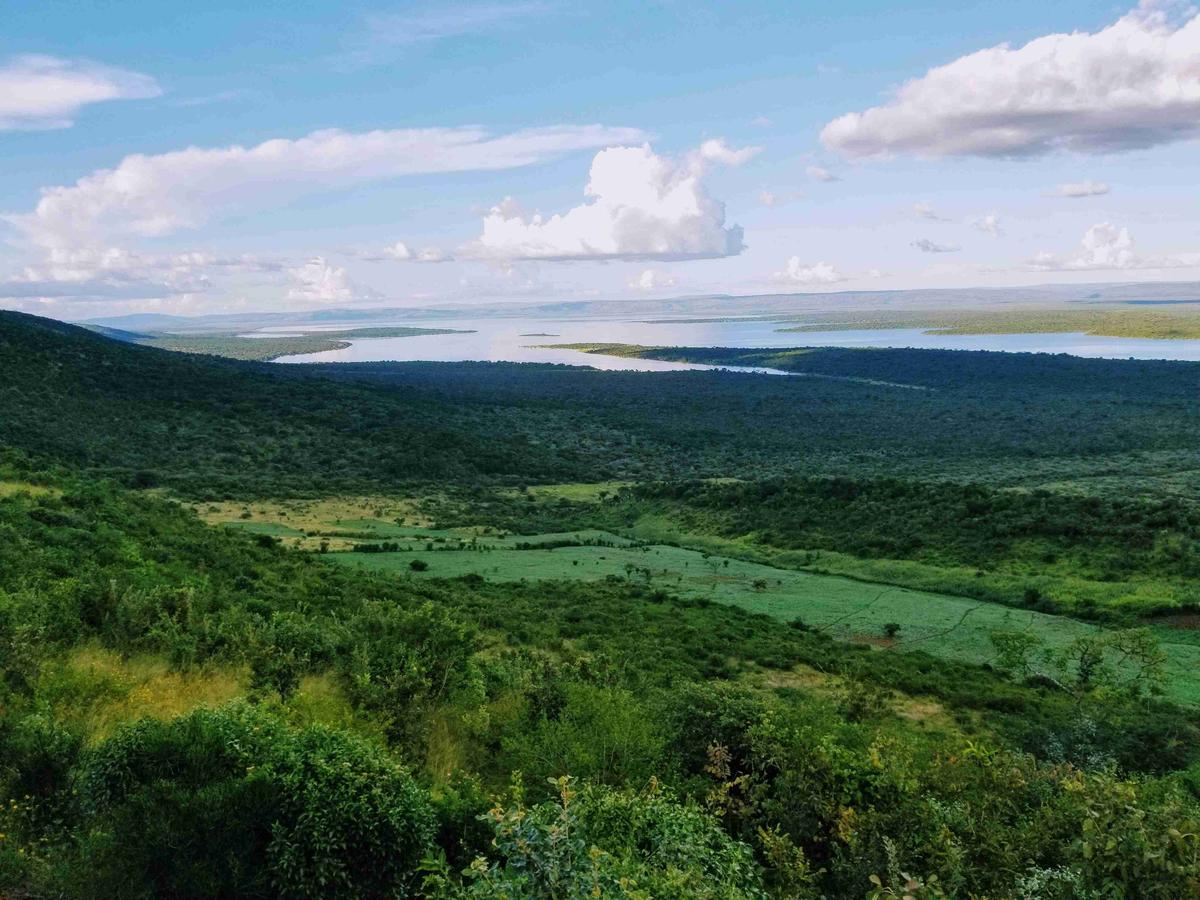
(308,524)
(93,691)
(13,488)
(847,609)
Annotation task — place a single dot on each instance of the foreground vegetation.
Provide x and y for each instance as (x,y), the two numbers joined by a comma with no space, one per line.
(502,663)
(710,752)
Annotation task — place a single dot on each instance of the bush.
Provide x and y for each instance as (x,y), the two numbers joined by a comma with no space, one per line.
(602,842)
(232,803)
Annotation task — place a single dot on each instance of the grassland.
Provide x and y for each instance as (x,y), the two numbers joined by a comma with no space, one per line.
(1178,322)
(851,600)
(847,609)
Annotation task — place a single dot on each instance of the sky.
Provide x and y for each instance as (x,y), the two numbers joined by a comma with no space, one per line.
(271,156)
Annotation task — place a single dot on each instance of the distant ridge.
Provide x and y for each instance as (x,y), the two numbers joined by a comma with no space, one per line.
(1048,296)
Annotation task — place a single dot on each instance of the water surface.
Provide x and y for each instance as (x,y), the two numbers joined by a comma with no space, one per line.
(511,340)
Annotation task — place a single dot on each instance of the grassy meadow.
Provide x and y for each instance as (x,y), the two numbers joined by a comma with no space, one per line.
(862,606)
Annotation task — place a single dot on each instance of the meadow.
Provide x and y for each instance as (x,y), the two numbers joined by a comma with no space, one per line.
(875,612)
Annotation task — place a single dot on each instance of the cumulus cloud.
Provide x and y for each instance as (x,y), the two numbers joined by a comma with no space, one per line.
(925,211)
(640,206)
(988,224)
(319,282)
(798,272)
(652,280)
(1133,84)
(820,173)
(1105,246)
(48,92)
(1081,189)
(154,195)
(927,246)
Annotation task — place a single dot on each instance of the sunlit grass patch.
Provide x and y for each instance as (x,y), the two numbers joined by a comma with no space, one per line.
(13,488)
(94,690)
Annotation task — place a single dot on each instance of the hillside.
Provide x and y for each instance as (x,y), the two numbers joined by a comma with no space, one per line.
(212,427)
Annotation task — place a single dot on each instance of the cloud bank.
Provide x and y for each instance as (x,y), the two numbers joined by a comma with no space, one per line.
(640,206)
(1133,84)
(39,92)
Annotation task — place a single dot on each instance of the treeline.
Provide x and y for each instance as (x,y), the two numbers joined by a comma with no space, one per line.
(944,523)
(477,740)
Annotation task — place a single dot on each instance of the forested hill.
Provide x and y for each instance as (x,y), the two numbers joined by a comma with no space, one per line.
(203,423)
(207,426)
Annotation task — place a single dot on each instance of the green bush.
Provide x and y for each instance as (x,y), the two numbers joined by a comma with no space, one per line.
(232,803)
(596,841)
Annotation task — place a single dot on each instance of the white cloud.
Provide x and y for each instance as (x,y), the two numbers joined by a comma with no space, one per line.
(927,246)
(652,280)
(1081,189)
(397,251)
(401,252)
(640,206)
(48,92)
(816,273)
(1105,246)
(153,195)
(988,224)
(319,282)
(718,151)
(385,36)
(117,274)
(433,255)
(820,173)
(1133,84)
(925,211)
(771,198)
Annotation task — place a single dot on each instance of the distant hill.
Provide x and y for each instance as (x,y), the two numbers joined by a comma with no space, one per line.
(119,334)
(1055,296)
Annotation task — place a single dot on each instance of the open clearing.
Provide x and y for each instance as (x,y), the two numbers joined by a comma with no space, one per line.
(845,608)
(850,610)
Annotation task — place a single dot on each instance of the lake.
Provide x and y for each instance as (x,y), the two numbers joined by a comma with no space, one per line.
(516,340)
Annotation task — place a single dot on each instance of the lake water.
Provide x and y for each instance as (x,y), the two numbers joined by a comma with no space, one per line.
(516,340)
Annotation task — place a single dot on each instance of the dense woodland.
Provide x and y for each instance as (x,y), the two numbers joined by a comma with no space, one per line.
(193,711)
(212,428)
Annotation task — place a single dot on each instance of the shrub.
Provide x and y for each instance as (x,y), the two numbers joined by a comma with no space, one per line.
(602,842)
(232,803)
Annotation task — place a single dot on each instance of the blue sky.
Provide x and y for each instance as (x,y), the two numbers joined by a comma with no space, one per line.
(957,181)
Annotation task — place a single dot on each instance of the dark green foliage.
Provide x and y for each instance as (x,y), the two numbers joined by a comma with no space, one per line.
(212,427)
(400,663)
(967,525)
(230,803)
(596,841)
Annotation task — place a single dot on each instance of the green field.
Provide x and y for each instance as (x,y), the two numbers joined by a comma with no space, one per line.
(856,611)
